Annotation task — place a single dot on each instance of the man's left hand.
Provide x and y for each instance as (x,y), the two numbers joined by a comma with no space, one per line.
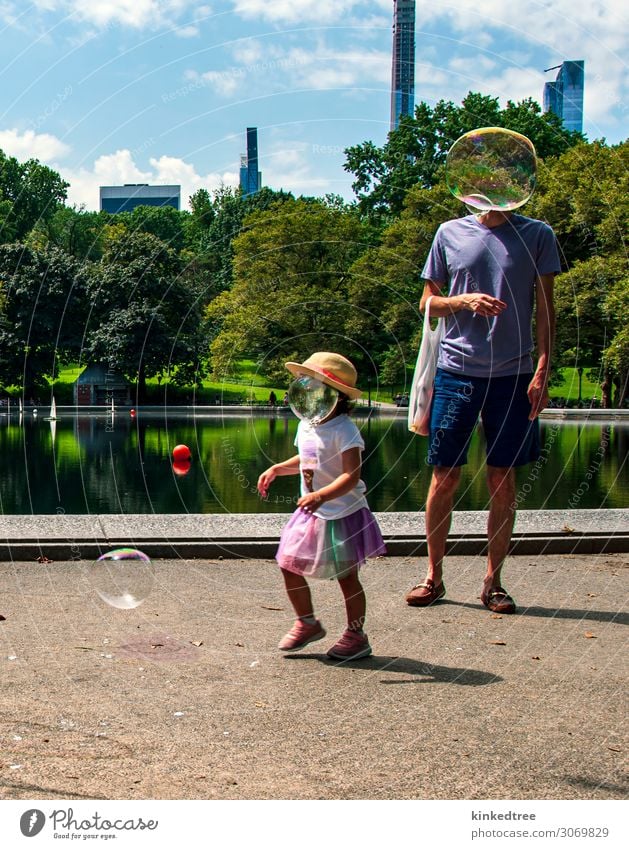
(538,394)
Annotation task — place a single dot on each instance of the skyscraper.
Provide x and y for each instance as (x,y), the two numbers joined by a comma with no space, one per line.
(250,177)
(403,66)
(564,97)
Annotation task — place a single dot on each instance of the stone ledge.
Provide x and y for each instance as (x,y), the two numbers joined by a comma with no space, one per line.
(216,535)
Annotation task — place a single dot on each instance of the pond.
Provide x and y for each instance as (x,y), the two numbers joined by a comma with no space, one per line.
(103,464)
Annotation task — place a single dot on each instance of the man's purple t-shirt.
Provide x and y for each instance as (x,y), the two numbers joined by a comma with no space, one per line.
(505,262)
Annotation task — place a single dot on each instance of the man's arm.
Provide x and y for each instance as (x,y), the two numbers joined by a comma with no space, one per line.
(545,325)
(443,305)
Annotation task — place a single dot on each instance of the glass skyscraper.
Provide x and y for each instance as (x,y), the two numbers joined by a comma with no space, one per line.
(564,97)
(403,67)
(250,177)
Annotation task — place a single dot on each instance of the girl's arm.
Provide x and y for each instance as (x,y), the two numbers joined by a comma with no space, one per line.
(345,482)
(288,467)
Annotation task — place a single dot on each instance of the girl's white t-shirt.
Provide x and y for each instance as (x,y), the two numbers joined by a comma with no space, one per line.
(320,449)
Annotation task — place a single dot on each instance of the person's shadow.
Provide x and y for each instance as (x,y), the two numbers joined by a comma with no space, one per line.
(423,672)
(617,616)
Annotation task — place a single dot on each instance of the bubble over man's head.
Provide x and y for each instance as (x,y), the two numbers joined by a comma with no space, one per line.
(492,168)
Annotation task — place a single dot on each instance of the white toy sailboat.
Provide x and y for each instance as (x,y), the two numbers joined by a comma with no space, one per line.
(53,411)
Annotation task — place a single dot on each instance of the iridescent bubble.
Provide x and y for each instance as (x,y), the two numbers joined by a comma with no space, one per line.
(311,399)
(491,168)
(123,578)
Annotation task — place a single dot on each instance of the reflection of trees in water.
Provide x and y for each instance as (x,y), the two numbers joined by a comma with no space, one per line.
(129,470)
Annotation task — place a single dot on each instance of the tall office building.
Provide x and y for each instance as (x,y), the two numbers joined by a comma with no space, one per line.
(125,198)
(250,177)
(564,96)
(403,67)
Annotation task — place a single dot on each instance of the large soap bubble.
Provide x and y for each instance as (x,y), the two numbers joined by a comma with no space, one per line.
(123,578)
(491,168)
(311,399)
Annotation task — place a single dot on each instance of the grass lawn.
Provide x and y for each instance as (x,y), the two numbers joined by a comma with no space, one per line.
(250,384)
(569,387)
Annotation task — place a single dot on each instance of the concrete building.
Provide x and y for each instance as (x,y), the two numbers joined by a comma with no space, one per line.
(403,64)
(250,177)
(564,96)
(125,198)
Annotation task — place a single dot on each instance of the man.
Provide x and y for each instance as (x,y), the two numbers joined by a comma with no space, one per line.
(497,267)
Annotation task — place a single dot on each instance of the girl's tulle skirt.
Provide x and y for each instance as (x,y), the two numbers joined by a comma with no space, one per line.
(329,548)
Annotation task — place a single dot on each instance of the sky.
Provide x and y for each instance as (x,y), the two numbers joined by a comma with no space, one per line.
(161,91)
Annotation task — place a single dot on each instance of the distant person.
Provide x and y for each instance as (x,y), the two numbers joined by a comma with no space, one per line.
(285,399)
(333,531)
(272,399)
(497,269)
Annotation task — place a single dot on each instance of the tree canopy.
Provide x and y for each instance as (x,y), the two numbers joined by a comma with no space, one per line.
(415,152)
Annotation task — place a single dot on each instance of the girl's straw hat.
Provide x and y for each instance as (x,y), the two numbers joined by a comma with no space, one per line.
(332,369)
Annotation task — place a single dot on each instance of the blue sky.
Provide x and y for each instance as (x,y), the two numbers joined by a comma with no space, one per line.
(161,91)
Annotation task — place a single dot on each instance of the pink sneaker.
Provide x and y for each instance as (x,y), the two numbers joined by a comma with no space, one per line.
(352,646)
(301,634)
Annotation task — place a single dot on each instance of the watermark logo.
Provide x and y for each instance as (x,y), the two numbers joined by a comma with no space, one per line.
(32,822)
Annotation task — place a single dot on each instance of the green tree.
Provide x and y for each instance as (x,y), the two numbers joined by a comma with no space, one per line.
(385,283)
(33,191)
(42,311)
(415,152)
(290,290)
(584,195)
(145,320)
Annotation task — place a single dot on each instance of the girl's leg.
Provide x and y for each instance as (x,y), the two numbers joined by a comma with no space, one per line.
(355,602)
(299,594)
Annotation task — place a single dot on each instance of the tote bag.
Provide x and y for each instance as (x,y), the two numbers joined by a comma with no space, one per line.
(424,377)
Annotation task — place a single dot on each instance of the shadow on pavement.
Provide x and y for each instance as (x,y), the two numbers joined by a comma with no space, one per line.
(617,616)
(425,672)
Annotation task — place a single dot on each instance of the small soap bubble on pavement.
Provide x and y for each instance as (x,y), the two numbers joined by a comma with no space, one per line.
(123,578)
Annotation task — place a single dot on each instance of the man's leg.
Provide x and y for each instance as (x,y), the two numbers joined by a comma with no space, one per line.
(501,485)
(443,486)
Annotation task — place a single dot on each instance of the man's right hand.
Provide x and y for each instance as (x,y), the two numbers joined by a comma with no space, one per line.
(481,304)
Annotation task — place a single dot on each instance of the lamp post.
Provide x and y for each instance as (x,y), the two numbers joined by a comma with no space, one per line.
(369,390)
(580,372)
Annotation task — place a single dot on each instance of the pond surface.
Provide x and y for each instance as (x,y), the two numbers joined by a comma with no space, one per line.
(96,464)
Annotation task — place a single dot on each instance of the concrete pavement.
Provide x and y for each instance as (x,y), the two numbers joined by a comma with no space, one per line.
(186,696)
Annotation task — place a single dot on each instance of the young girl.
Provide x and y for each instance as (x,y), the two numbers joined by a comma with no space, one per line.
(332,532)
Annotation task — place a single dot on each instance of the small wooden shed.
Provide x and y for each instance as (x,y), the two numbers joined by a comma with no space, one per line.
(98,385)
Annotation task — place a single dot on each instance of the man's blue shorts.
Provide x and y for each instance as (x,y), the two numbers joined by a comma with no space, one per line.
(504,408)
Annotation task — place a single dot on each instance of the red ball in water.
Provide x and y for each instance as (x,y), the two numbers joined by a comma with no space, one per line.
(181,452)
(181,467)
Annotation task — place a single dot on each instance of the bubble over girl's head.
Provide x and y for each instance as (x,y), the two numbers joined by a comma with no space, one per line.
(491,168)
(312,400)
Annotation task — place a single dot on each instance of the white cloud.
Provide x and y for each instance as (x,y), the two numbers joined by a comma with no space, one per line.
(288,165)
(32,145)
(132,13)
(117,168)
(187,32)
(295,11)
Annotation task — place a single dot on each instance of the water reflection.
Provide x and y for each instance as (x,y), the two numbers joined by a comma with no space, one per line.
(119,464)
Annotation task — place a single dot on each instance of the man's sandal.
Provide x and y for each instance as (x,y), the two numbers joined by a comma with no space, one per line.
(425,594)
(498,600)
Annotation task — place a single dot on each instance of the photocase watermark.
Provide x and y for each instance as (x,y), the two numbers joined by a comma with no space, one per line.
(52,107)
(32,822)
(463,393)
(229,76)
(590,472)
(536,468)
(75,551)
(66,826)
